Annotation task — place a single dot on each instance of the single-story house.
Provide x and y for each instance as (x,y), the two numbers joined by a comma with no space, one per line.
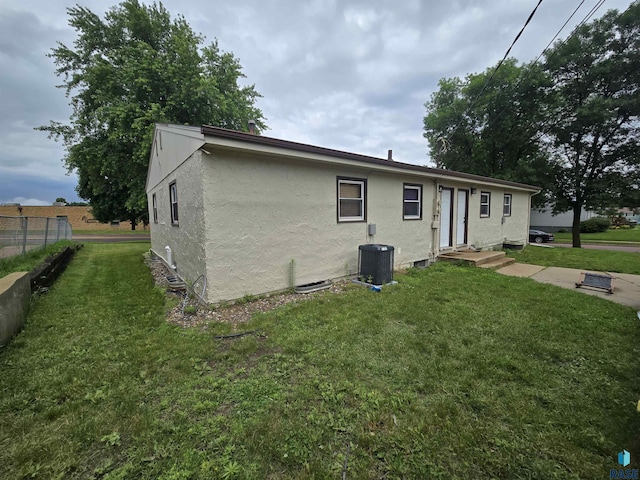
(255,214)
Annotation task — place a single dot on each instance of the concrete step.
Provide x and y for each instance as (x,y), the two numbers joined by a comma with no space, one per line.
(499,263)
(472,257)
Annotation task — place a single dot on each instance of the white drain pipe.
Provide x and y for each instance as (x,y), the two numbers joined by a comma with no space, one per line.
(169,253)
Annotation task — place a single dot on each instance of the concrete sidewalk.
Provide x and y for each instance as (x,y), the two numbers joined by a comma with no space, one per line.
(626,289)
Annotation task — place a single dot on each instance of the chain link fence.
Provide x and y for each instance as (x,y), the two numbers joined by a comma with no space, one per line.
(18,235)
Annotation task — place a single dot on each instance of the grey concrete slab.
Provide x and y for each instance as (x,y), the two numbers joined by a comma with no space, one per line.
(626,287)
(520,270)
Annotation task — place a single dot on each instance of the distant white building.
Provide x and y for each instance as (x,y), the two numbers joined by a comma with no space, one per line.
(546,221)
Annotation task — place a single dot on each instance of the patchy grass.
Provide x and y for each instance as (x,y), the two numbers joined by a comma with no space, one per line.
(630,235)
(30,260)
(599,260)
(454,373)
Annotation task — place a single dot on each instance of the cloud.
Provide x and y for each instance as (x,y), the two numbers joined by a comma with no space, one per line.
(28,202)
(352,75)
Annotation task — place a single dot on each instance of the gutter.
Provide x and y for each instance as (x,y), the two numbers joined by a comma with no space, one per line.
(259,140)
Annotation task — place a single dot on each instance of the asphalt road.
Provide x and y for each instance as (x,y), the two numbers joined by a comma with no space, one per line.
(591,246)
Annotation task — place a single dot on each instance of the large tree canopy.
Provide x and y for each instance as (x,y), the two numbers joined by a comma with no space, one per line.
(569,125)
(594,134)
(489,129)
(136,67)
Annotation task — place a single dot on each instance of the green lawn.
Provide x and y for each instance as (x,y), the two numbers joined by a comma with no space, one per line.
(600,260)
(31,259)
(614,236)
(454,373)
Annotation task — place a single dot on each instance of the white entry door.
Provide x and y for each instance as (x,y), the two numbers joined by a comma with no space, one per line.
(446,214)
(463,211)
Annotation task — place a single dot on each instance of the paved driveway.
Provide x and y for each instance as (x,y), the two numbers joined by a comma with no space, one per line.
(626,286)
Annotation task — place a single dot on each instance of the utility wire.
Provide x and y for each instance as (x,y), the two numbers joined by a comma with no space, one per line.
(486,84)
(560,31)
(585,19)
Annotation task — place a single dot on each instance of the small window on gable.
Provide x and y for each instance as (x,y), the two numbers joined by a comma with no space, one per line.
(351,199)
(506,206)
(485,204)
(154,204)
(412,202)
(173,200)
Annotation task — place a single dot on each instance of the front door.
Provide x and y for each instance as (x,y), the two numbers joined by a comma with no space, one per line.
(446,218)
(463,213)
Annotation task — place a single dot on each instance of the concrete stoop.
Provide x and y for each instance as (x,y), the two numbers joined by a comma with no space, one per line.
(499,263)
(478,259)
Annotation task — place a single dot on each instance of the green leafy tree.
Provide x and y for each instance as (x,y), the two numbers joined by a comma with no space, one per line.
(570,126)
(124,73)
(60,200)
(490,128)
(594,137)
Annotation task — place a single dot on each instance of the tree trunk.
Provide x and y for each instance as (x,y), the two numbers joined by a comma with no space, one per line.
(133,224)
(575,227)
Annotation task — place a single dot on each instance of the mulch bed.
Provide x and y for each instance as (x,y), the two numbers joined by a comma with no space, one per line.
(194,314)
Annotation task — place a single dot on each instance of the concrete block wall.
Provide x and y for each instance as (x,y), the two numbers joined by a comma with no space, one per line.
(15,295)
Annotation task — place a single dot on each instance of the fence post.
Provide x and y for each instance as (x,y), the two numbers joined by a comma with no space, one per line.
(25,226)
(46,233)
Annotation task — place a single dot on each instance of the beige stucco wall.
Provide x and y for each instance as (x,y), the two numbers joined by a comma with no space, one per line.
(186,240)
(263,212)
(489,232)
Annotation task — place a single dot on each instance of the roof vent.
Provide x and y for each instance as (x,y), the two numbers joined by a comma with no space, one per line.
(252,127)
(390,155)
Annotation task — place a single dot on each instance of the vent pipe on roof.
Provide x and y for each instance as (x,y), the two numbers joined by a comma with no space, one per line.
(252,127)
(390,155)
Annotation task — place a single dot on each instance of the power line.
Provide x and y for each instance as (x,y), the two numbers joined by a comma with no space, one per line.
(486,84)
(559,31)
(585,19)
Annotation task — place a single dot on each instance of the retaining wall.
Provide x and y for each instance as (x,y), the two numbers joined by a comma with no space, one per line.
(16,289)
(15,295)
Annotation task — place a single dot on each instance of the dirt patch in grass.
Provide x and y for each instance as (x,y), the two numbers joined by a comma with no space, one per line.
(194,314)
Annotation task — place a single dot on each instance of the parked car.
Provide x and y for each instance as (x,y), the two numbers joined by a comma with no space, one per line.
(538,236)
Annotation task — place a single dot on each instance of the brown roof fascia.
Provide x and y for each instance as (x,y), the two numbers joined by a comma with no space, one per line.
(303,147)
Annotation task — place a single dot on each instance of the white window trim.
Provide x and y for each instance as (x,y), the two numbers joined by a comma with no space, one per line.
(505,204)
(363,194)
(487,203)
(173,200)
(418,201)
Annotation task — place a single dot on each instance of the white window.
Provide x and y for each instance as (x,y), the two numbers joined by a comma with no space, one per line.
(506,206)
(173,200)
(351,199)
(485,204)
(412,202)
(154,202)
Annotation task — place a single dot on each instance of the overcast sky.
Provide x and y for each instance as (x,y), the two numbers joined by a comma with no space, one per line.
(350,75)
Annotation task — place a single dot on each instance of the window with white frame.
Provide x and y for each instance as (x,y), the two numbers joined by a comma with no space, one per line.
(154,205)
(173,200)
(412,202)
(351,199)
(506,205)
(485,204)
